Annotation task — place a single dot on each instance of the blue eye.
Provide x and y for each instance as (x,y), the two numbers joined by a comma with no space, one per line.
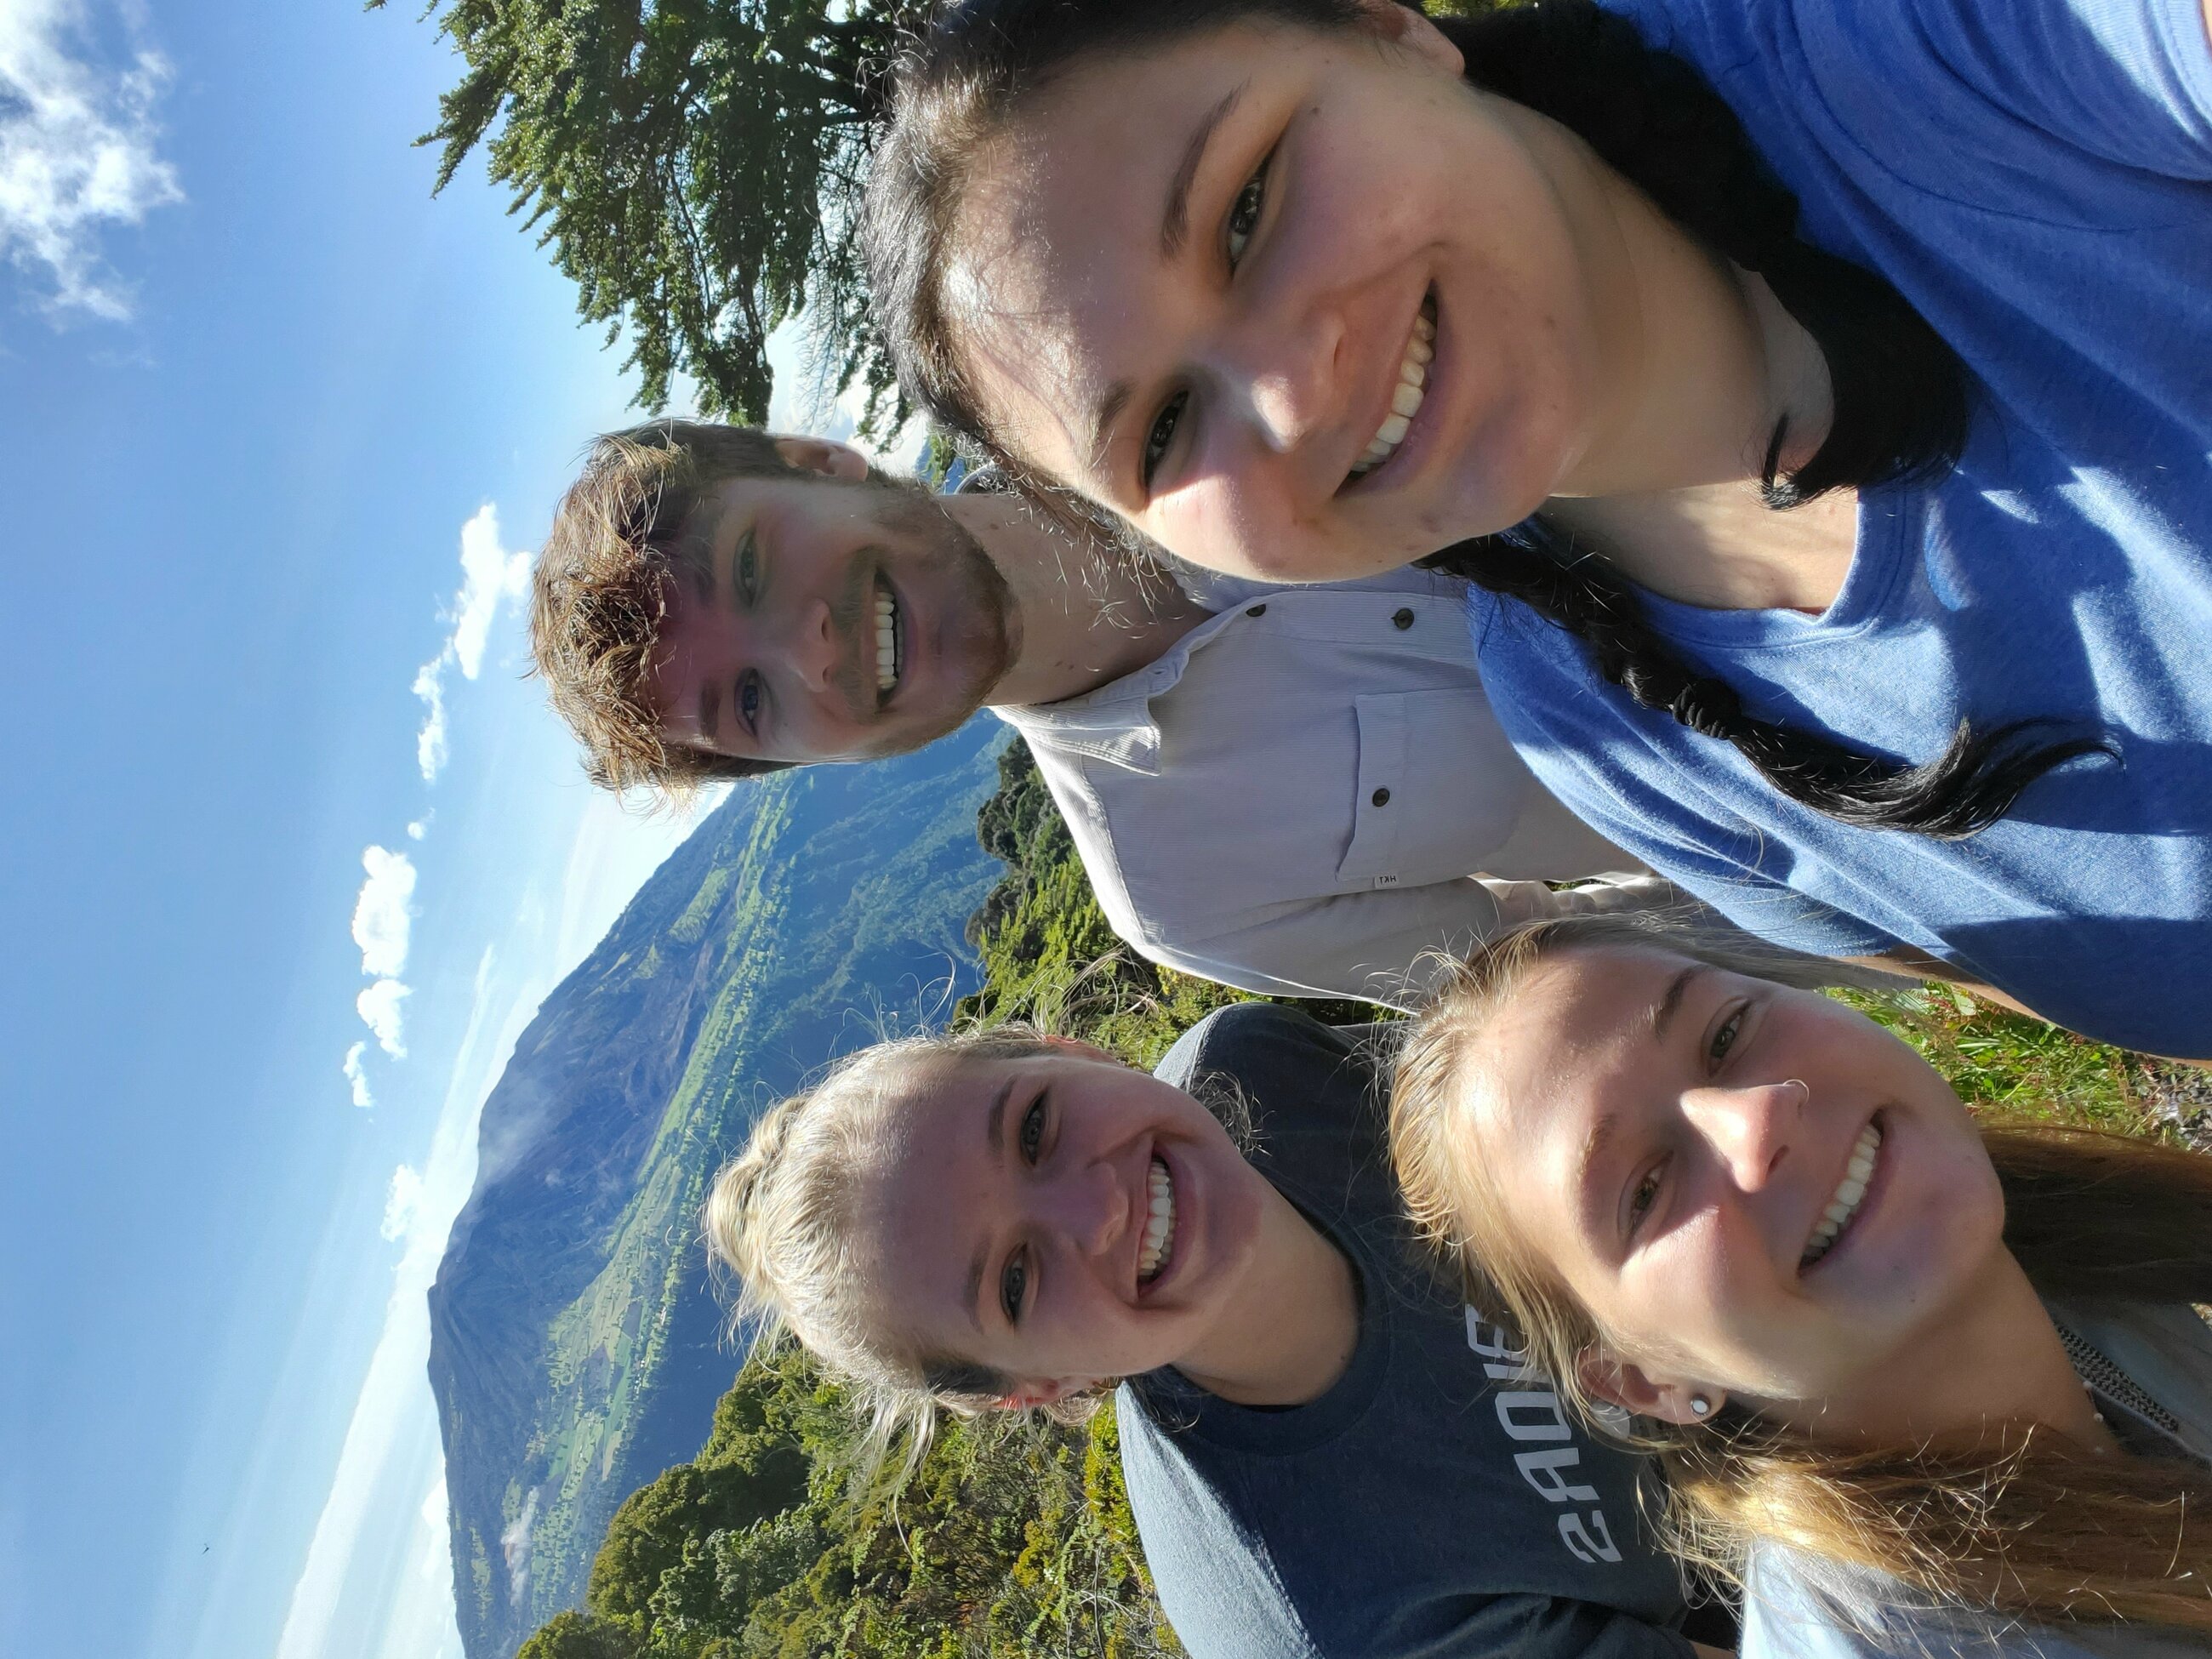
(748,568)
(1031,1134)
(1165,425)
(1244,213)
(1014,1282)
(749,701)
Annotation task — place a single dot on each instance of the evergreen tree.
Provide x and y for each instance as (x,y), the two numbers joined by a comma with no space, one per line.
(696,166)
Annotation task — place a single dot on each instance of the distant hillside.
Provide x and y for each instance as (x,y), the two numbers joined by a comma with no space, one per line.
(572,1335)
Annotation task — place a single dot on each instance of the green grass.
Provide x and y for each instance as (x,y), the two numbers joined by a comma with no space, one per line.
(2004,1062)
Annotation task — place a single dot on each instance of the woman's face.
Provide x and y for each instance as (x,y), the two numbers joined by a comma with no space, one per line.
(1750,1188)
(1058,1219)
(1293,303)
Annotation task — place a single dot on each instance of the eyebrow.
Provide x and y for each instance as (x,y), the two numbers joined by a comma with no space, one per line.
(1593,1149)
(1175,231)
(1174,223)
(1662,1015)
(994,1133)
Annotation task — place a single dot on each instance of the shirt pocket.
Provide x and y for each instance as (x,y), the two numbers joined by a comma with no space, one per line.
(1439,789)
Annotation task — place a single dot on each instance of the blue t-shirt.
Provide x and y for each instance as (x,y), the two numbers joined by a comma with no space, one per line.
(2032,175)
(1436,1502)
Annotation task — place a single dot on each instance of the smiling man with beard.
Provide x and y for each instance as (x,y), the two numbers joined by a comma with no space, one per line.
(1296,791)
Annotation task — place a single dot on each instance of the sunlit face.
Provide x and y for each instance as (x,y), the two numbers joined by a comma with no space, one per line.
(1678,1143)
(1292,302)
(1058,1220)
(834,621)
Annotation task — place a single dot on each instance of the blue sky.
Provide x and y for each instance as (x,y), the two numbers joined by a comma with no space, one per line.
(277,426)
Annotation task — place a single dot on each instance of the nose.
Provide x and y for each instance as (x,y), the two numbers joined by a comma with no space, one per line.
(1087,1206)
(1752,1128)
(809,646)
(1290,367)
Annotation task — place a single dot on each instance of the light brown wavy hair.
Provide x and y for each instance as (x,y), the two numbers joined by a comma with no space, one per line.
(2023,1524)
(626,534)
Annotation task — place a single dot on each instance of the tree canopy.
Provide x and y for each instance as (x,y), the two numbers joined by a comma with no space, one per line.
(1002,1544)
(693,165)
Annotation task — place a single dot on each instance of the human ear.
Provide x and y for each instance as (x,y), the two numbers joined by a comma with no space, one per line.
(1406,27)
(824,455)
(1635,1390)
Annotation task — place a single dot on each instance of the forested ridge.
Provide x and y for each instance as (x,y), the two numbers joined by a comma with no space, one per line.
(1021,1542)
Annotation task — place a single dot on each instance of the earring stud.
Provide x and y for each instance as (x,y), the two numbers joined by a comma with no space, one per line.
(1701,1405)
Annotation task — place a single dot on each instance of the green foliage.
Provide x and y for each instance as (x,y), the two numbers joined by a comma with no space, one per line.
(1048,953)
(580,1636)
(2024,1068)
(696,166)
(1005,1542)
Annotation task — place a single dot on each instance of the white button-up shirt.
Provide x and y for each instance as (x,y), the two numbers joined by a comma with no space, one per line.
(1307,794)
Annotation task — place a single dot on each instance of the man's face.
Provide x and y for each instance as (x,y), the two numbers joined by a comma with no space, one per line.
(836,621)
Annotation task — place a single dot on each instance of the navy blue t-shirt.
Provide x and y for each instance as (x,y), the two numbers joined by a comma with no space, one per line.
(2035,176)
(1437,1502)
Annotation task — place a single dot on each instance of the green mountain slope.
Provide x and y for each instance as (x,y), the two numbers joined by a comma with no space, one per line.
(573,1350)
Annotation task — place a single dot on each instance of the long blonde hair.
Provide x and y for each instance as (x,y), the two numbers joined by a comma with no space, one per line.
(2032,1526)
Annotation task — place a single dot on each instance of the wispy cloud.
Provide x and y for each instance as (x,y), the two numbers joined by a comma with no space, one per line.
(383,924)
(379,1007)
(402,1201)
(357,1073)
(430,741)
(489,574)
(383,918)
(78,152)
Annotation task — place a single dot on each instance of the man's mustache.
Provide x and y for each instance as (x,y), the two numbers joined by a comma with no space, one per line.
(852,624)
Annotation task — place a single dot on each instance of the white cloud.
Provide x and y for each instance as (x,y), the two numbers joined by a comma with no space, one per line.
(357,1074)
(78,153)
(430,741)
(379,1007)
(421,827)
(514,1544)
(401,1202)
(488,574)
(382,919)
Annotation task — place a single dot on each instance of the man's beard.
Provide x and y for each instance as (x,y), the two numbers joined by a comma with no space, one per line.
(969,586)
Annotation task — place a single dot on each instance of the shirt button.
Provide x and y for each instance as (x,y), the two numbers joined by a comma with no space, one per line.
(1381,798)
(1257,611)
(1402,618)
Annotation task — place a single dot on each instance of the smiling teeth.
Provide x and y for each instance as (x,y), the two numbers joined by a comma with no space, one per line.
(1406,398)
(1159,1224)
(1845,1203)
(887,642)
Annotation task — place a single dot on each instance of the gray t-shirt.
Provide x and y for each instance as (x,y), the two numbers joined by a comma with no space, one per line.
(1799,1606)
(1437,1502)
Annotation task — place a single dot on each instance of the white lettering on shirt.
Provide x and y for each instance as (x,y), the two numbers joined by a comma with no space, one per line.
(1532,1412)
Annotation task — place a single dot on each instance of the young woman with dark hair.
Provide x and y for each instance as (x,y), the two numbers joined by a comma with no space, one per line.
(1924,1382)
(1586,293)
